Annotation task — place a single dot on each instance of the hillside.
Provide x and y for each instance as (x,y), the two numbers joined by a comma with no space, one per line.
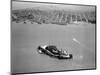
(43,13)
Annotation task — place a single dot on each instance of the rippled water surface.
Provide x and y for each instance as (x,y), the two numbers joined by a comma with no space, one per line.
(78,39)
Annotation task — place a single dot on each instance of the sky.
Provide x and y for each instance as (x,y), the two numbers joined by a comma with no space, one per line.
(47,6)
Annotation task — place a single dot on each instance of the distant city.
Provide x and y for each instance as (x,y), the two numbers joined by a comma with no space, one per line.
(61,17)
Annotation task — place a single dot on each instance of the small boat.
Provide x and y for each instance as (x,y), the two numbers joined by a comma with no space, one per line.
(52,51)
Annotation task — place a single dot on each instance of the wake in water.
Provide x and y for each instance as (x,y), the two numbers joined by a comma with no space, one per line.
(80,44)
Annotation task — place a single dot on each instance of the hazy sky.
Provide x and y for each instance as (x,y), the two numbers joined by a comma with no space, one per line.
(21,5)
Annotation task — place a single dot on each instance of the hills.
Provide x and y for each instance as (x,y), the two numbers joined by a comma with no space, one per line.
(52,13)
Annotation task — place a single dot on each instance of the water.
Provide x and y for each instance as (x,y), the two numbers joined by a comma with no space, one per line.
(27,37)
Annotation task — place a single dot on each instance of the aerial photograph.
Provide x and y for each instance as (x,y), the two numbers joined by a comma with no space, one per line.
(52,37)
